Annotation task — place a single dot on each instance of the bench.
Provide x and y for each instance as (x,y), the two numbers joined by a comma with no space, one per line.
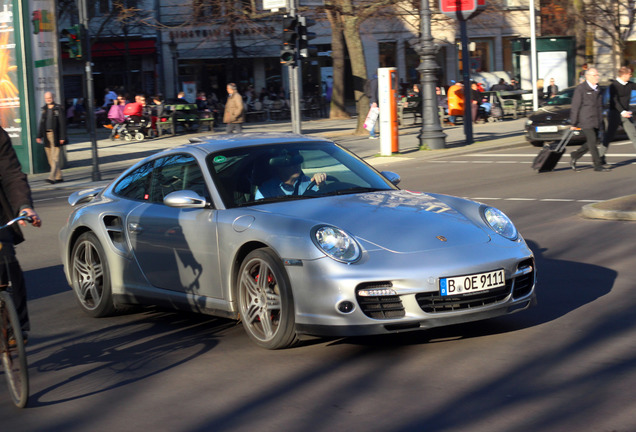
(410,105)
(256,112)
(165,124)
(207,121)
(185,115)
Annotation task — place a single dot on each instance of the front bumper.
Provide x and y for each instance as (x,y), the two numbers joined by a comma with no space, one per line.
(532,134)
(417,303)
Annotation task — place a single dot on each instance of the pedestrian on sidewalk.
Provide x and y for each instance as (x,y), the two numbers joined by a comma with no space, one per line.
(15,198)
(52,133)
(234,115)
(587,114)
(109,98)
(551,90)
(619,113)
(455,102)
(116,111)
(371,90)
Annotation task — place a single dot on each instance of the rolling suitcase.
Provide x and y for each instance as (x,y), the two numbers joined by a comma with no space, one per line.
(550,155)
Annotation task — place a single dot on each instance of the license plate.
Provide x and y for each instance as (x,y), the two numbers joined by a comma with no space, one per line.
(547,129)
(471,283)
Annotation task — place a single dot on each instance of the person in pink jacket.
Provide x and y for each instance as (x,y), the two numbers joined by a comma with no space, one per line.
(116,111)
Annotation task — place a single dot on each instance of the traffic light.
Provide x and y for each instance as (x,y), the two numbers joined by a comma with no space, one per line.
(288,51)
(74,43)
(304,49)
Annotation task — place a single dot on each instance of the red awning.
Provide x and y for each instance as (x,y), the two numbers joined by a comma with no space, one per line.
(118,48)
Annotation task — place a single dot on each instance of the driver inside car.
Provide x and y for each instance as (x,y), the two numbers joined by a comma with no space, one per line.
(288,178)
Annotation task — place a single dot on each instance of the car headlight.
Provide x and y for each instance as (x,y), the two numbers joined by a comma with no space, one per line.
(336,244)
(500,223)
(528,122)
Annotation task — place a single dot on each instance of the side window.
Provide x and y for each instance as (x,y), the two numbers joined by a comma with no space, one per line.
(136,185)
(175,173)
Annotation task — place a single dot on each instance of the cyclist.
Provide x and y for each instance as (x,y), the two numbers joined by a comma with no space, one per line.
(15,198)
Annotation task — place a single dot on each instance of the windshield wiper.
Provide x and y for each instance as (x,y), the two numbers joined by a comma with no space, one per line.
(281,198)
(354,190)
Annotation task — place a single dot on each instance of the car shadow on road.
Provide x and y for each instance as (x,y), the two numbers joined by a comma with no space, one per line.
(46,281)
(121,351)
(562,287)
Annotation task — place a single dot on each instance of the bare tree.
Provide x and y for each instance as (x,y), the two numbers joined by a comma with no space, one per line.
(614,19)
(337,109)
(351,15)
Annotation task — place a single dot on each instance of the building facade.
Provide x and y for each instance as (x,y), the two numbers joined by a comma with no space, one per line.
(167,46)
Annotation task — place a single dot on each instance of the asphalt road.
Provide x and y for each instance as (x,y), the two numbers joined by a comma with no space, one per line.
(568,364)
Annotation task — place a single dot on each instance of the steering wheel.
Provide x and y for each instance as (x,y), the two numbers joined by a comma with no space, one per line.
(309,189)
(313,183)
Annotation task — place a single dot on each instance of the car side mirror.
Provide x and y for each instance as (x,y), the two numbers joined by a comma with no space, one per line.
(185,199)
(392,177)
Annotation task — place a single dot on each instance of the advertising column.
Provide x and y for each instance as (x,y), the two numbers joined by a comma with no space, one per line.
(29,67)
(44,74)
(10,74)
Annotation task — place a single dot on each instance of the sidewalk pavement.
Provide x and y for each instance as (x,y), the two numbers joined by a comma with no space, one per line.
(115,156)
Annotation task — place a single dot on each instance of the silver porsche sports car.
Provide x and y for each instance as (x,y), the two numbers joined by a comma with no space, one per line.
(291,235)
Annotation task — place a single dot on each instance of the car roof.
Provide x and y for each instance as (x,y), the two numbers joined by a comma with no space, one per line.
(213,143)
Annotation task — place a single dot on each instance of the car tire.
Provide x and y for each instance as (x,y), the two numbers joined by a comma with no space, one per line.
(537,143)
(90,276)
(266,303)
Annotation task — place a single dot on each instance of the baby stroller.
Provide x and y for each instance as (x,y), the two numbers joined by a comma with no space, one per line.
(137,128)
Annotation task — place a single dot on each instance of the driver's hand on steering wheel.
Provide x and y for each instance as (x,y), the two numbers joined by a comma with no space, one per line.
(319,178)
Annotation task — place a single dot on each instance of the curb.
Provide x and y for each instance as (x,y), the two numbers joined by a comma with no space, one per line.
(618,209)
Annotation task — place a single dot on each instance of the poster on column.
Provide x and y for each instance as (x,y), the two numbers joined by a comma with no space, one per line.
(43,72)
(553,64)
(44,51)
(9,93)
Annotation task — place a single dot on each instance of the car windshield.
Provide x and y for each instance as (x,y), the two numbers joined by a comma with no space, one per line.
(282,172)
(563,97)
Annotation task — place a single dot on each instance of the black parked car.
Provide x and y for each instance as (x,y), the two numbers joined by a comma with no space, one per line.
(552,119)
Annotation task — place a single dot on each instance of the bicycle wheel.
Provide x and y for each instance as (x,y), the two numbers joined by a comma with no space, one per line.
(13,358)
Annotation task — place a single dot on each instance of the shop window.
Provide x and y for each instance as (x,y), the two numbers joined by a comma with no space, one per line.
(480,56)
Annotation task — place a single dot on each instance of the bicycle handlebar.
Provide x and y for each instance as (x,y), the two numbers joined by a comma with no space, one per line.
(22,217)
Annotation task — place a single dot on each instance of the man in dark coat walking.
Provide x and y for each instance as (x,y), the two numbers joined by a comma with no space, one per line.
(587,115)
(619,111)
(52,133)
(15,198)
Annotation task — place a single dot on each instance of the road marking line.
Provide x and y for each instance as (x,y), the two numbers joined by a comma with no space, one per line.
(557,200)
(387,160)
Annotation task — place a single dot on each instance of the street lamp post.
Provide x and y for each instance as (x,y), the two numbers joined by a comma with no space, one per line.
(88,77)
(175,68)
(431,134)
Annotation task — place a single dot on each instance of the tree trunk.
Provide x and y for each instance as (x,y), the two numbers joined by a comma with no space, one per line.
(337,104)
(579,31)
(357,59)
